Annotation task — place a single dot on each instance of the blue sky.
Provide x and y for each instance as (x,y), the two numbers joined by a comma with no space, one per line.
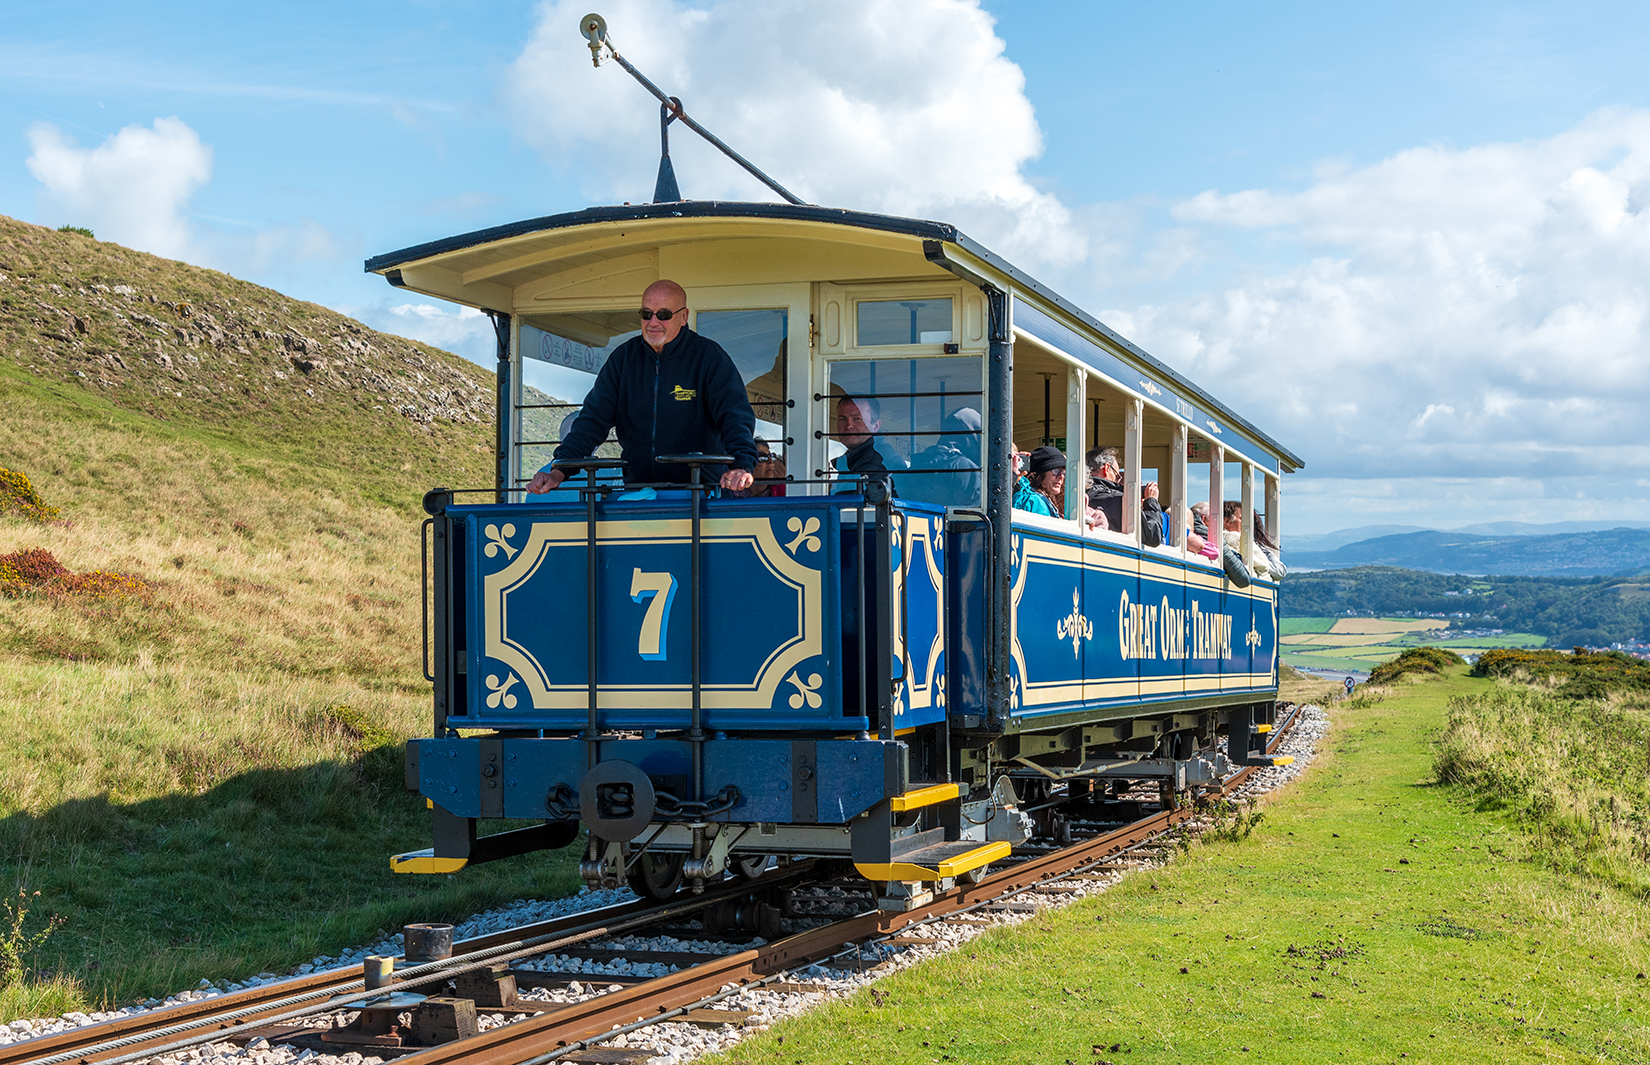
(1410,240)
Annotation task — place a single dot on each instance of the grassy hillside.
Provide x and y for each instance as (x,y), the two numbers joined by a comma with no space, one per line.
(1570,554)
(188,771)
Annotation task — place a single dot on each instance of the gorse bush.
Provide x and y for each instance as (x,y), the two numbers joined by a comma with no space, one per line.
(82,230)
(1571,771)
(37,570)
(18,496)
(1581,675)
(1415,660)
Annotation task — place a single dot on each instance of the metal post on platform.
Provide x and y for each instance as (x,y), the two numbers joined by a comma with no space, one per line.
(502,408)
(696,731)
(593,728)
(592,627)
(859,582)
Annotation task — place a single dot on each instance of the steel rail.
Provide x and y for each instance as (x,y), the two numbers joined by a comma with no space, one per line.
(557,1033)
(272,1003)
(566,1028)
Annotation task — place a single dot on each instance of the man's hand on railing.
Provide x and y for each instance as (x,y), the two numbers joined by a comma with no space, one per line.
(545,481)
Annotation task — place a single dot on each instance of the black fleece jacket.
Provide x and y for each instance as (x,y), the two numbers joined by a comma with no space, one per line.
(689,397)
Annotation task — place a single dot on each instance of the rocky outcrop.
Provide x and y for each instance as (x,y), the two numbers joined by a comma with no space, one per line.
(157,335)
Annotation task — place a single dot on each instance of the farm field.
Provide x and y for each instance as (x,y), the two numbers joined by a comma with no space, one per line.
(1361,644)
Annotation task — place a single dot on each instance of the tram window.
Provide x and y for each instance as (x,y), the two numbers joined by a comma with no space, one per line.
(560,357)
(903,322)
(930,419)
(756,341)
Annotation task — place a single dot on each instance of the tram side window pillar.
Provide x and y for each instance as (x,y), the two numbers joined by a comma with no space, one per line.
(1133,412)
(1274,524)
(1217,491)
(1076,408)
(1182,521)
(1247,544)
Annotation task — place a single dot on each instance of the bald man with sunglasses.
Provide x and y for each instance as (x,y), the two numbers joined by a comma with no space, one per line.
(669,391)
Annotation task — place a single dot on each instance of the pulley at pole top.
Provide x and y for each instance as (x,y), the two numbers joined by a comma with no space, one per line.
(593,28)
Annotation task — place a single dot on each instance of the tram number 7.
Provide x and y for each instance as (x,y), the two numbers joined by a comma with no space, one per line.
(661,588)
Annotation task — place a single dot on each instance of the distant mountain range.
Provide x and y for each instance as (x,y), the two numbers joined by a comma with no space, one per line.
(1342,537)
(1565,549)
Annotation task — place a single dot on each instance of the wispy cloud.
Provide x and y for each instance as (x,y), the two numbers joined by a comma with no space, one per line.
(44,65)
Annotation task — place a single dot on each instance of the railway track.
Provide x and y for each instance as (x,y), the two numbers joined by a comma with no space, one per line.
(568,1031)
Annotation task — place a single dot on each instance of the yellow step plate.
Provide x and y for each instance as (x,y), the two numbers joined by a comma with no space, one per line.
(1263,728)
(1283,760)
(984,854)
(916,800)
(425,861)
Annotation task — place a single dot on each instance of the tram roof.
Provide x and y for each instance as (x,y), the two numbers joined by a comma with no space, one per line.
(453,250)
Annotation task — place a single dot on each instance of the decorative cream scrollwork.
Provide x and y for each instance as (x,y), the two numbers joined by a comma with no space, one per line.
(1150,389)
(497,540)
(501,692)
(804,534)
(807,691)
(1253,638)
(1075,627)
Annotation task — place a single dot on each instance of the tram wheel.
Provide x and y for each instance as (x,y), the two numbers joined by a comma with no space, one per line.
(751,868)
(656,876)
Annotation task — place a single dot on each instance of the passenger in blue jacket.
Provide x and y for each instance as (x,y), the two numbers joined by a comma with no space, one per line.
(669,391)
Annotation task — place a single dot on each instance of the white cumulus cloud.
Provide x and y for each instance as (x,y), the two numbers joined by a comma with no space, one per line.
(1452,312)
(134,188)
(907,107)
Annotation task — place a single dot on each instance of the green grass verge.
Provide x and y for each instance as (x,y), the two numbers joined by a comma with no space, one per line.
(218,827)
(1570,770)
(1371,915)
(1297,626)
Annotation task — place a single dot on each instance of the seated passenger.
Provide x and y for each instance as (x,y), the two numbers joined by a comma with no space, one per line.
(1274,554)
(1043,489)
(1198,541)
(857,423)
(1105,494)
(958,453)
(1232,534)
(770,473)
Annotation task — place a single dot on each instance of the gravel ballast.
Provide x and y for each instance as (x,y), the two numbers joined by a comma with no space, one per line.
(670,1043)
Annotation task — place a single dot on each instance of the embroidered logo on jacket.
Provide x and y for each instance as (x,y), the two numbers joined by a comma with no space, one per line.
(682,394)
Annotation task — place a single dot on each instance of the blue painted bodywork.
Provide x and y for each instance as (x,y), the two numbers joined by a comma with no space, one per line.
(771,629)
(851,774)
(1099,624)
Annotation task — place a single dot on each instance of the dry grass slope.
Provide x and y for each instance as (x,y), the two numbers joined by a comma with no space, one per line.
(186,769)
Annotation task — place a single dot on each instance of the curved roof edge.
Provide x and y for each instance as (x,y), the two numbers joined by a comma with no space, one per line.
(912,227)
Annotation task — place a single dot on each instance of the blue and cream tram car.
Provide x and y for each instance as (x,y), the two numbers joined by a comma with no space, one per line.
(887,678)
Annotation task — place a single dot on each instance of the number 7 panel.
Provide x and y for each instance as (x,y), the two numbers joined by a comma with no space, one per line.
(770,655)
